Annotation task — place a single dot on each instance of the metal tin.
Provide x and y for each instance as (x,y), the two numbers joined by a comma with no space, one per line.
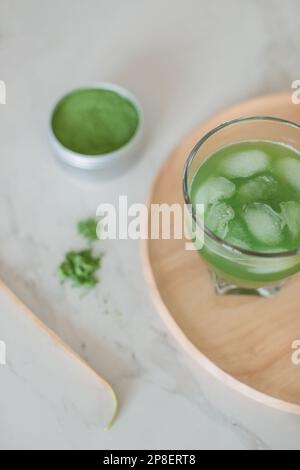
(103,161)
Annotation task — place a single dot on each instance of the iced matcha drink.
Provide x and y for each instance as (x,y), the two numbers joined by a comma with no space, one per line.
(251,193)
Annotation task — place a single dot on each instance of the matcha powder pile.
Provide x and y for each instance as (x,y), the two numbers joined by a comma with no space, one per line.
(94,121)
(81,267)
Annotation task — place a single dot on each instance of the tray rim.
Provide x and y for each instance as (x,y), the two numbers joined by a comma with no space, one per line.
(163,310)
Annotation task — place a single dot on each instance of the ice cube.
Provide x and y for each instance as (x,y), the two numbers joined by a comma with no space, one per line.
(258,189)
(215,189)
(238,235)
(217,218)
(290,213)
(245,163)
(289,169)
(264,223)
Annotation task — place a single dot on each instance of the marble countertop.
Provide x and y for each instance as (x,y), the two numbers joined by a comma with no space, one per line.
(185,61)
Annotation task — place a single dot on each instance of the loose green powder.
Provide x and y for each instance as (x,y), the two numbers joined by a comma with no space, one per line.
(88,229)
(80,267)
(94,121)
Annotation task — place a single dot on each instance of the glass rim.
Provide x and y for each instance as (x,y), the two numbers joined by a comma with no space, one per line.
(187,200)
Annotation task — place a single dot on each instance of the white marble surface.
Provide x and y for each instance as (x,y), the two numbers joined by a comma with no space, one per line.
(184,60)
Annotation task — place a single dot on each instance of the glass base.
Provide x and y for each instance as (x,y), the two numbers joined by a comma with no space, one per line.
(222,287)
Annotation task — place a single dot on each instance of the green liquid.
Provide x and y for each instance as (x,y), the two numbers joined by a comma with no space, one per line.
(251,193)
(94,121)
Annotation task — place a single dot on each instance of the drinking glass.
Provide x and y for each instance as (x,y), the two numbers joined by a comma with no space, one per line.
(236,270)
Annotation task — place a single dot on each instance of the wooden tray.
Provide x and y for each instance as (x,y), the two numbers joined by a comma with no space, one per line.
(244,341)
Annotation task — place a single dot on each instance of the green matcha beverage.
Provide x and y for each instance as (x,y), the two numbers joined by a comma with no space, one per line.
(250,190)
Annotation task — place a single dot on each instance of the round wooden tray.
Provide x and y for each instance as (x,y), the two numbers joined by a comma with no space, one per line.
(244,341)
